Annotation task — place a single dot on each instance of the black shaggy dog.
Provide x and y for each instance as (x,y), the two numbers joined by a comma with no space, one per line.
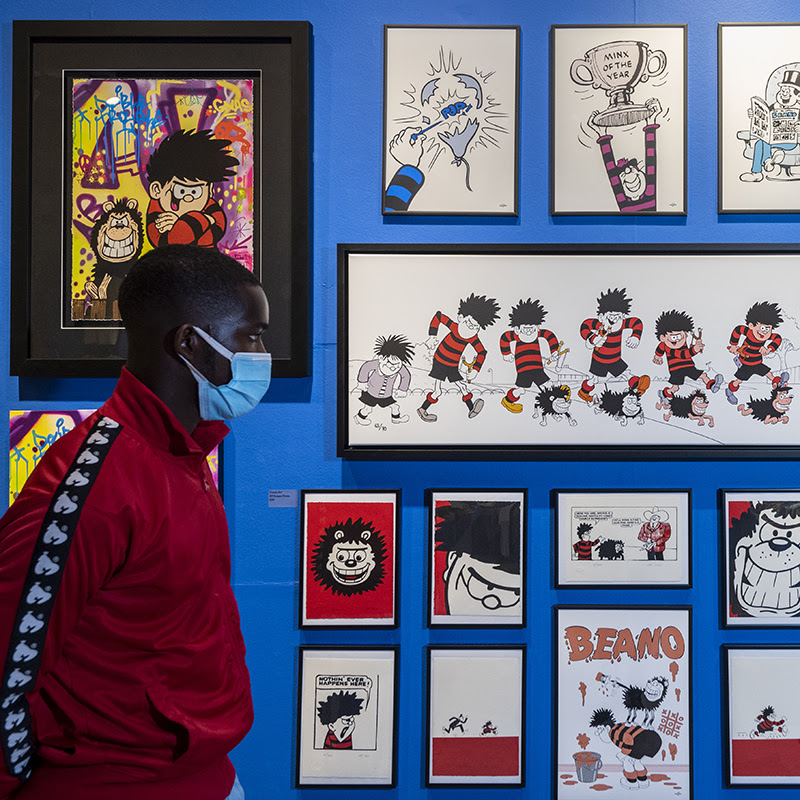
(611,550)
(553,403)
(769,410)
(621,406)
(692,407)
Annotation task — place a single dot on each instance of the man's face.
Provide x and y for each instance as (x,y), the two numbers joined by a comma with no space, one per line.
(788,95)
(673,339)
(654,520)
(760,331)
(389,365)
(181,195)
(633,182)
(343,727)
(240,331)
(474,587)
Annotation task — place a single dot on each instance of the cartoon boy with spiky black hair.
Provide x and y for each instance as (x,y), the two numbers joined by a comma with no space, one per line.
(634,743)
(475,313)
(181,171)
(522,345)
(752,341)
(339,713)
(672,331)
(386,376)
(604,336)
(483,543)
(583,547)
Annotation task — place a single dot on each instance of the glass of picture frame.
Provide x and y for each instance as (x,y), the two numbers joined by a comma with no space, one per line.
(476,716)
(761,708)
(347,717)
(623,716)
(638,538)
(476,557)
(348,571)
(760,558)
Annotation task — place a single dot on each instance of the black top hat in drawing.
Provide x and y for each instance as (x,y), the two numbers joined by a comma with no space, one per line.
(791,77)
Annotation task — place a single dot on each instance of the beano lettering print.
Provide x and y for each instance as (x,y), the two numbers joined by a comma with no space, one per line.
(623,720)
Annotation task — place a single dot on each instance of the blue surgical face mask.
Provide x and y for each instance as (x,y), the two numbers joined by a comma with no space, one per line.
(251,373)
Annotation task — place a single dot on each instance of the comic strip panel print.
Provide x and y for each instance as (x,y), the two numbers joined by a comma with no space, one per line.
(349,568)
(640,538)
(476,700)
(761,558)
(762,713)
(154,161)
(478,348)
(476,553)
(759,117)
(450,120)
(347,717)
(618,103)
(623,719)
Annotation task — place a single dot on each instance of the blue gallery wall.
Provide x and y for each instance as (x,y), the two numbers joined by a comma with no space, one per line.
(289,441)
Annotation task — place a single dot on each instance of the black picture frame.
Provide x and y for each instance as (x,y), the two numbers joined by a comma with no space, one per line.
(578,139)
(44,52)
(477,780)
(739,96)
(678,517)
(307,781)
(589,637)
(427,277)
(497,581)
(750,596)
(770,683)
(327,498)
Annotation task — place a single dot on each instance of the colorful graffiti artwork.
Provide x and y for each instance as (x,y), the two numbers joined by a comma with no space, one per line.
(33,432)
(154,161)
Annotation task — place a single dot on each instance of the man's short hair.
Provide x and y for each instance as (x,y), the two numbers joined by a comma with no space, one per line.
(189,283)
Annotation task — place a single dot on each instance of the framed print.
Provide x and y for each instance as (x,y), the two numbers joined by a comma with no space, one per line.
(638,538)
(760,558)
(349,565)
(476,716)
(31,433)
(108,116)
(450,102)
(347,717)
(503,351)
(759,117)
(476,557)
(618,119)
(623,694)
(761,708)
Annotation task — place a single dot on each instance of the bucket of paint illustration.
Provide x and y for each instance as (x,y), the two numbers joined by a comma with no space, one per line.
(587,765)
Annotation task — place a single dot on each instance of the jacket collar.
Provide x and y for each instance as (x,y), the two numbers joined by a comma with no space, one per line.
(134,406)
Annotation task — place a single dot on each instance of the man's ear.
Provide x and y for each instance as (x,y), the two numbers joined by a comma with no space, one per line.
(155,190)
(186,342)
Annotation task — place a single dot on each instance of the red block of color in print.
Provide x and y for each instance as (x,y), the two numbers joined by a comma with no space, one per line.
(756,757)
(477,755)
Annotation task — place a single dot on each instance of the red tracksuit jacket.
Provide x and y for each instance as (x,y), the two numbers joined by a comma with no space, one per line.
(142,688)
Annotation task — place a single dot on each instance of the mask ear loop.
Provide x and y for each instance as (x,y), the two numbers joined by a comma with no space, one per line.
(207,337)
